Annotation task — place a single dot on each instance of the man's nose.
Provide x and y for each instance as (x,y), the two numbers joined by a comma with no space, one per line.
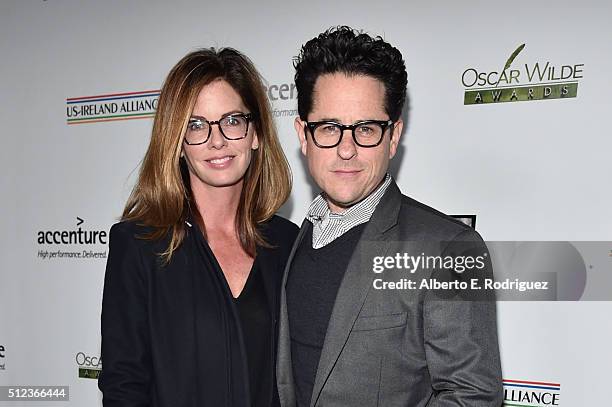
(347,148)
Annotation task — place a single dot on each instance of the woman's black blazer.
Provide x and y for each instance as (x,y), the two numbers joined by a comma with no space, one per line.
(160,329)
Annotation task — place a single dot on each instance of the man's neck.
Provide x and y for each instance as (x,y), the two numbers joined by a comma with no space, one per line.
(338,208)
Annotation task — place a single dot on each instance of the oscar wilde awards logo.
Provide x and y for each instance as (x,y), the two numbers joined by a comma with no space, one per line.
(531,394)
(78,242)
(111,107)
(89,366)
(2,356)
(520,81)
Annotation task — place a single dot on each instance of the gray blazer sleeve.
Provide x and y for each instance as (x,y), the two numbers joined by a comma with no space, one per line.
(460,335)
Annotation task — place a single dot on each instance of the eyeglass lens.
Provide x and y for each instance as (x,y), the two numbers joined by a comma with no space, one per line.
(233,127)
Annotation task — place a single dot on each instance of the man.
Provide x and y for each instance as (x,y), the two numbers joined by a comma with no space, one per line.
(343,341)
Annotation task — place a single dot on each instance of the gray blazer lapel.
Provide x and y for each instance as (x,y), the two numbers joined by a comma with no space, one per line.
(284,368)
(357,281)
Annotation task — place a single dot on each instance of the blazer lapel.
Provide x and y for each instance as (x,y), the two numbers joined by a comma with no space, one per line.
(284,367)
(357,281)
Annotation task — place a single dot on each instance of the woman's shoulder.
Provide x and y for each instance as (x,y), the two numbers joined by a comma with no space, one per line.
(135,234)
(131,239)
(282,225)
(280,230)
(130,229)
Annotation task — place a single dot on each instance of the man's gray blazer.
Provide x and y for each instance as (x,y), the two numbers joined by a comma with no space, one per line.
(401,347)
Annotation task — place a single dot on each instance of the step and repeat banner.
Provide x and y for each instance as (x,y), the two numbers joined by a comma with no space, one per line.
(507,128)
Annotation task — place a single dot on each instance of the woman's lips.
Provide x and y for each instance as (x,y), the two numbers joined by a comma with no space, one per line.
(220,162)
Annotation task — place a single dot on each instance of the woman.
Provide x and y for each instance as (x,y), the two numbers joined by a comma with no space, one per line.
(191,291)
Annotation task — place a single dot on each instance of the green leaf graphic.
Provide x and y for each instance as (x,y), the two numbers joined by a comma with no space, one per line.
(514,54)
(510,60)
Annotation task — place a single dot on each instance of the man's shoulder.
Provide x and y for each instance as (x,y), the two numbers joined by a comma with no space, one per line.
(421,220)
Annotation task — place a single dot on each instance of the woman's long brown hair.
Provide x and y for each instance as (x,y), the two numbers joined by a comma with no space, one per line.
(162,197)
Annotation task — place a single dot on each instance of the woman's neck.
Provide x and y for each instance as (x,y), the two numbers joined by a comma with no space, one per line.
(217,205)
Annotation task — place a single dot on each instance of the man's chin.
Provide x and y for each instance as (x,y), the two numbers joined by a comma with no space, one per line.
(341,202)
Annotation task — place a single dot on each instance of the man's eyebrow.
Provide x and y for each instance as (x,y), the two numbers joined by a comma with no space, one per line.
(336,120)
(329,119)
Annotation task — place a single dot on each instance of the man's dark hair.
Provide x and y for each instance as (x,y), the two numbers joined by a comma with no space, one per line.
(345,50)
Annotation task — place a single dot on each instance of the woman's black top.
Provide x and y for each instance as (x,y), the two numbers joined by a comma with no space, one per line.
(255,319)
(172,335)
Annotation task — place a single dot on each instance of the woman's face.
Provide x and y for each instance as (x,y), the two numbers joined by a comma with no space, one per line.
(218,162)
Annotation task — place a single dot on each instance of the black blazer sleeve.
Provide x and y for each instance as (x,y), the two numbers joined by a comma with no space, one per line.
(126,361)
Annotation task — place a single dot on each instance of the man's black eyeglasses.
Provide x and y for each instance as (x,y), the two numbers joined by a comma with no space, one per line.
(366,133)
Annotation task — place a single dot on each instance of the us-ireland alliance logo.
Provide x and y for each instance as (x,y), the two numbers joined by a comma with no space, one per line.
(524,393)
(112,107)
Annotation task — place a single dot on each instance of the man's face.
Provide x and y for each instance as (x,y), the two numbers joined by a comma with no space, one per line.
(348,173)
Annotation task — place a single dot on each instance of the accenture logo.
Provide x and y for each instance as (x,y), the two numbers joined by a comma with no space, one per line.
(282,96)
(111,107)
(531,394)
(72,236)
(61,243)
(281,91)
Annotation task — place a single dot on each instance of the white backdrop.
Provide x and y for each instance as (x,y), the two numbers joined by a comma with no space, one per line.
(529,170)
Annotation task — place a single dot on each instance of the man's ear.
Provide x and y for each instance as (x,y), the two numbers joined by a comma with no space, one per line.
(300,129)
(398,126)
